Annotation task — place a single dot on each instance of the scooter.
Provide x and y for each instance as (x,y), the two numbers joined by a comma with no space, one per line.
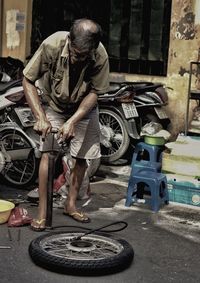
(19,143)
(124,110)
(19,153)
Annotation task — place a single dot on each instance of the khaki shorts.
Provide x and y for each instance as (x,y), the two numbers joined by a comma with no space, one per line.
(86,142)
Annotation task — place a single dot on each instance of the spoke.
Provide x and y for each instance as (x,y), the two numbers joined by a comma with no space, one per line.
(111,150)
(114,125)
(57,243)
(64,248)
(23,173)
(118,144)
(17,170)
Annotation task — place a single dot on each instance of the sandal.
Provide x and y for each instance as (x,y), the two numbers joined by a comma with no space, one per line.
(38,225)
(78,216)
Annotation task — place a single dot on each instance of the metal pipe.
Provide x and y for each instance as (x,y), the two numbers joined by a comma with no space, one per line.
(51,171)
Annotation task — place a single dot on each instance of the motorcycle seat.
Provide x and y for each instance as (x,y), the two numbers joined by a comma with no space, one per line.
(114,87)
(5,86)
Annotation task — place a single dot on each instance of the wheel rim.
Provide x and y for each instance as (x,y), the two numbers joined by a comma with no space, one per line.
(112,134)
(90,247)
(17,171)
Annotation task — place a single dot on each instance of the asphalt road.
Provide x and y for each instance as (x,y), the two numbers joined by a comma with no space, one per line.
(166,244)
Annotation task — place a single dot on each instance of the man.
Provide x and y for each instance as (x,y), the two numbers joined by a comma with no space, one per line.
(73,69)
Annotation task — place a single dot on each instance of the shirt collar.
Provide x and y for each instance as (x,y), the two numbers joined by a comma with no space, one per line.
(65,51)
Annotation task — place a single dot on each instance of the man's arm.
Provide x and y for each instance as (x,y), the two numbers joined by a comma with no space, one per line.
(42,125)
(86,105)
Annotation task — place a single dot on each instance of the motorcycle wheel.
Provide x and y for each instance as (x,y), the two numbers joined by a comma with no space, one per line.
(19,171)
(94,254)
(114,137)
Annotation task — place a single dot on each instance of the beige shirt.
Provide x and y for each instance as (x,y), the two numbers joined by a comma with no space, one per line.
(50,64)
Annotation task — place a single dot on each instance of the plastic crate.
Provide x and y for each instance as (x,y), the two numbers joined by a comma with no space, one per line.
(183,189)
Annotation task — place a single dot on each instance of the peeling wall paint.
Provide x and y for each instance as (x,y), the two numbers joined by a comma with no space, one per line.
(182,71)
(184,28)
(184,48)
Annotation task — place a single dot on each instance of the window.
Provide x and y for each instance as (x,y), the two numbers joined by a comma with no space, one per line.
(136,32)
(139,36)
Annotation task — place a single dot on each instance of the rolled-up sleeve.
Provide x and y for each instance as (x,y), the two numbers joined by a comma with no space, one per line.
(100,74)
(38,65)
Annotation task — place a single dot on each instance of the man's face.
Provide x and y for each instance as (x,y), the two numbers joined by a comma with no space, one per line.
(77,55)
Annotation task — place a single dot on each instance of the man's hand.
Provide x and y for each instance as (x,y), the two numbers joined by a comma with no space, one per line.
(66,131)
(43,127)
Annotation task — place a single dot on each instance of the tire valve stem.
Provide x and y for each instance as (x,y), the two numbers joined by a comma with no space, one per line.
(99,229)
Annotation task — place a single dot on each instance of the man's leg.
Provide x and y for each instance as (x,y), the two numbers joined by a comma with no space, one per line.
(84,145)
(76,179)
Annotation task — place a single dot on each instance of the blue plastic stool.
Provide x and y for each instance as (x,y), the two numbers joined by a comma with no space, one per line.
(147,157)
(157,184)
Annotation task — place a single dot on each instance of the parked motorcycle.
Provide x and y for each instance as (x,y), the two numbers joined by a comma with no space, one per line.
(19,154)
(19,143)
(124,110)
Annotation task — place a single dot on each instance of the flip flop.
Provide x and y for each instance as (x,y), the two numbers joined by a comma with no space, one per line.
(38,225)
(78,216)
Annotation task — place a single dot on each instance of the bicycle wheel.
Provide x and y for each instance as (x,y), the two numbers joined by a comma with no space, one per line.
(94,254)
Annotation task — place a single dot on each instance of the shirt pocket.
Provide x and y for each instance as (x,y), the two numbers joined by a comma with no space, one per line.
(56,82)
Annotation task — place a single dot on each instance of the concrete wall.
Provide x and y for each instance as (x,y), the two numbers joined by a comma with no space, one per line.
(184,47)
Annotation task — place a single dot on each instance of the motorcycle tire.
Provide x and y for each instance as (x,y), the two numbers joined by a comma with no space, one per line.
(18,171)
(115,140)
(94,254)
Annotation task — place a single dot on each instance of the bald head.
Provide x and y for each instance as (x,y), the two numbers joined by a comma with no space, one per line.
(85,34)
(85,25)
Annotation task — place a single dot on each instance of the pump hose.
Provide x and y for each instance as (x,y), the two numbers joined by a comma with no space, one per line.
(90,231)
